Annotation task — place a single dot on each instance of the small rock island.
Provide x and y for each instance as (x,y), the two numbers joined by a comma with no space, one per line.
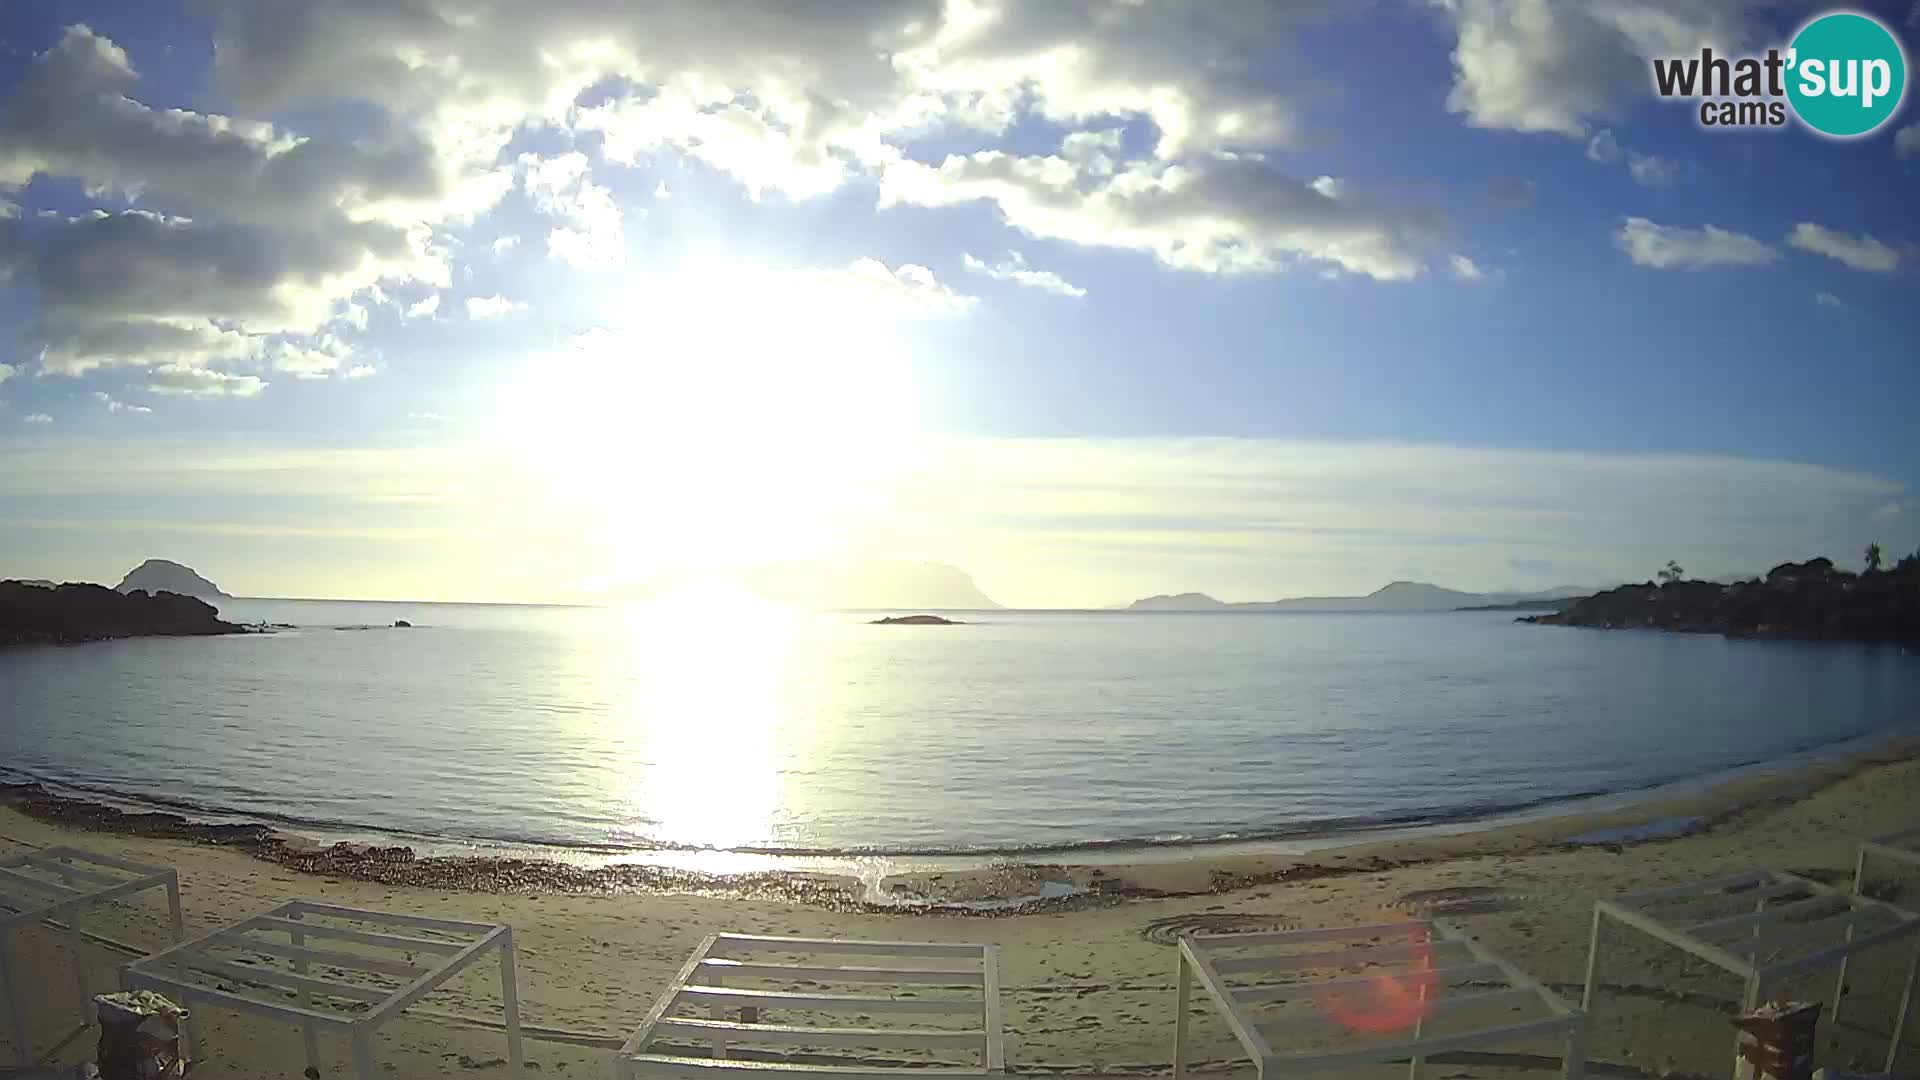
(916,620)
(1809,601)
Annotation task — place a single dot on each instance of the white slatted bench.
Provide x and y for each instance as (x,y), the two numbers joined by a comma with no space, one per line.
(1763,926)
(943,999)
(330,969)
(1366,994)
(1901,847)
(59,884)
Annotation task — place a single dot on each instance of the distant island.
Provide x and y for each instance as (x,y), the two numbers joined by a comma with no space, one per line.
(159,575)
(1809,601)
(33,614)
(915,620)
(1407,596)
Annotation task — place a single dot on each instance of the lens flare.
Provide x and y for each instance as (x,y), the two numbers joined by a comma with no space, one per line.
(1389,1002)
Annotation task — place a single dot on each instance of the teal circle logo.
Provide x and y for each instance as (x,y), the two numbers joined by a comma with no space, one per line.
(1846,74)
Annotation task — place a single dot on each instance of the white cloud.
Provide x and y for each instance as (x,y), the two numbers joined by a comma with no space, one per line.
(426,417)
(559,186)
(502,245)
(1674,247)
(870,286)
(118,407)
(322,358)
(1647,170)
(7,371)
(1218,215)
(355,315)
(1551,66)
(1014,268)
(425,309)
(1466,269)
(660,191)
(489,307)
(360,371)
(38,418)
(177,381)
(1889,512)
(1906,141)
(253,231)
(1827,299)
(1861,252)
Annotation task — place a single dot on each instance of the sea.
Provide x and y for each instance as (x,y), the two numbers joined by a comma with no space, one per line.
(723,724)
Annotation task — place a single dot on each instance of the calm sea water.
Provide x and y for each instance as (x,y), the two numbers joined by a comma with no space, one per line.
(722,724)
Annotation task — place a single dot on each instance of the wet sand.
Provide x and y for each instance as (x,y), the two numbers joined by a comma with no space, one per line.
(1087,978)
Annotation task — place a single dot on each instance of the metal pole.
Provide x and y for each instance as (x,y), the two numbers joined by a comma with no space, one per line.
(1574,1067)
(362,1053)
(1180,1006)
(309,1035)
(510,998)
(1906,1000)
(1840,982)
(1748,1002)
(1593,963)
(179,926)
(14,1014)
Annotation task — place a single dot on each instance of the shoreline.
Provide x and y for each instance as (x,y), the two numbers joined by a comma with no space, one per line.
(1088,980)
(995,883)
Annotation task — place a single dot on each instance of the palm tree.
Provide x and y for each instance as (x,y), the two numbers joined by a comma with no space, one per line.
(1873,557)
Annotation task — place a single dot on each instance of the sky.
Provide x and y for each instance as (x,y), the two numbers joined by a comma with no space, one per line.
(1095,299)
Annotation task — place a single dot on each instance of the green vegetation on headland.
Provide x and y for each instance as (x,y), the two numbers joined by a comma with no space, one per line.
(1809,601)
(34,614)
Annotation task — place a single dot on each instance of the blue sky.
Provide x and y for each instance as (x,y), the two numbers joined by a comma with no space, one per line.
(1094,299)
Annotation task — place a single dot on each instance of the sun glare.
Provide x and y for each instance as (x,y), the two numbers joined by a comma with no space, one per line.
(708,663)
(720,418)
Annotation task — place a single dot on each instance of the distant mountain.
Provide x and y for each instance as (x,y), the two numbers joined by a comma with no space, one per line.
(829,584)
(159,575)
(1395,596)
(1186,601)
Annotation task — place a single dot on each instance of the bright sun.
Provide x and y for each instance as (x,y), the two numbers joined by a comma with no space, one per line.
(722,418)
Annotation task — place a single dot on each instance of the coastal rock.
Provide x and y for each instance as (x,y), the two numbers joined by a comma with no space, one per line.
(159,575)
(402,624)
(1810,601)
(916,620)
(70,614)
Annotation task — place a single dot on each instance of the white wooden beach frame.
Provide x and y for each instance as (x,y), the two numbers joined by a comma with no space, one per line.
(401,959)
(713,976)
(1790,916)
(59,883)
(1435,954)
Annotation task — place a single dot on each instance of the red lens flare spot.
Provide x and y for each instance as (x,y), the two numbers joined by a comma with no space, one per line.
(1388,1002)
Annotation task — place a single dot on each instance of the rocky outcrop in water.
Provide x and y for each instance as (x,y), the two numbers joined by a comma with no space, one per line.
(1810,601)
(69,614)
(916,620)
(159,575)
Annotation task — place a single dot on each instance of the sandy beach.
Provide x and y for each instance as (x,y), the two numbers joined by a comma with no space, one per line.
(1088,984)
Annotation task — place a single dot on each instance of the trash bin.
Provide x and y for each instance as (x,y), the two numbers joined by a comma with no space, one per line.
(139,1036)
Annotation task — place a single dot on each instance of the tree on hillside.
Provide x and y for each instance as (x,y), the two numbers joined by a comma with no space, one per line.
(1671,573)
(1873,557)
